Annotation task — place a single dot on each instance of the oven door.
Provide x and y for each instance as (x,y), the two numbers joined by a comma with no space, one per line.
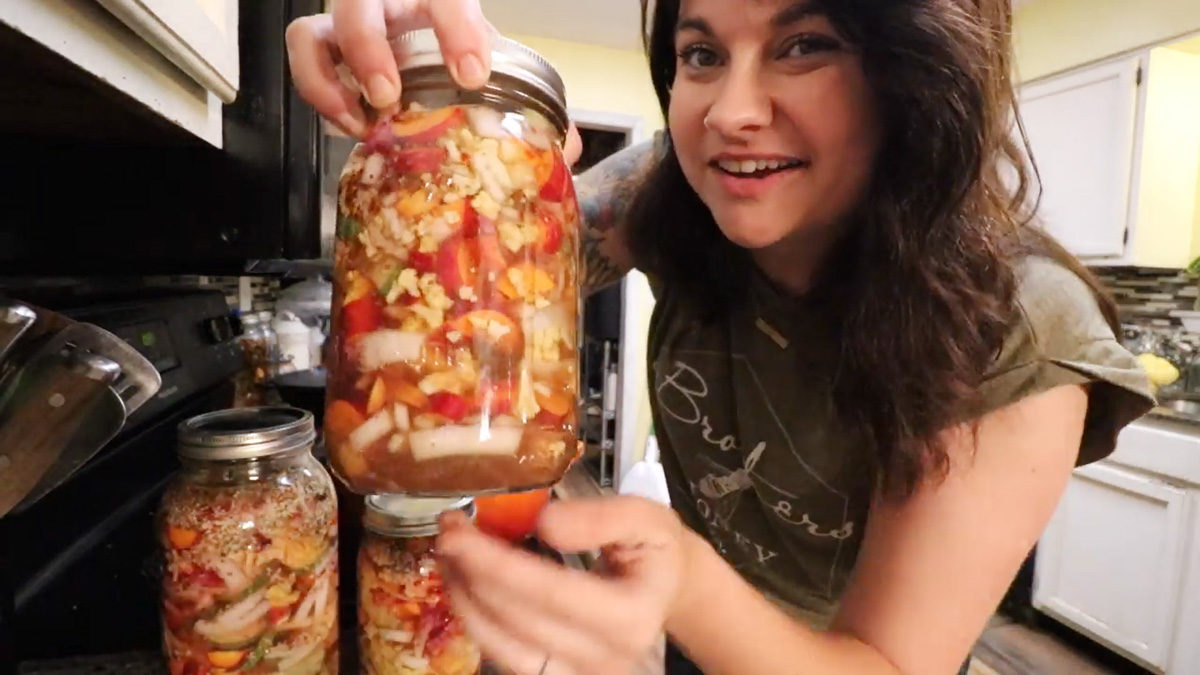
(80,570)
(97,184)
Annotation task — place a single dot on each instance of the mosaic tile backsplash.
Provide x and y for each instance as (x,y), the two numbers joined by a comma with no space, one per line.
(1148,296)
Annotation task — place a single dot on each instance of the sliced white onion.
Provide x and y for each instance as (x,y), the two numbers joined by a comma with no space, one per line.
(440,230)
(372,430)
(382,347)
(400,411)
(461,440)
(372,169)
(297,655)
(235,618)
(322,593)
(415,662)
(487,122)
(550,316)
(399,636)
(233,576)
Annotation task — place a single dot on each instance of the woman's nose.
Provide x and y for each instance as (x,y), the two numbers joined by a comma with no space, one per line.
(742,105)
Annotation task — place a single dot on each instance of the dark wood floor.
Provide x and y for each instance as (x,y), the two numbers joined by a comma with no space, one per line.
(1010,648)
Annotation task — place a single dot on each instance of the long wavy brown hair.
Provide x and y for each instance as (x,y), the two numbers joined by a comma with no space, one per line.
(925,277)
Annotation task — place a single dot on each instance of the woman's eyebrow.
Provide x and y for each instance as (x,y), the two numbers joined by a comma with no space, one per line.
(795,13)
(693,23)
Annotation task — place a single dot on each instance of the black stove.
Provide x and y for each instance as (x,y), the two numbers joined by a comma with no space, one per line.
(79,573)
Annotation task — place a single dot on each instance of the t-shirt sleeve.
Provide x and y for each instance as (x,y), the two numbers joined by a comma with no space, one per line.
(1061,339)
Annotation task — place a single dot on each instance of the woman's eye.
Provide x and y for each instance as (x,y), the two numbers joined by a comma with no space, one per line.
(699,57)
(808,44)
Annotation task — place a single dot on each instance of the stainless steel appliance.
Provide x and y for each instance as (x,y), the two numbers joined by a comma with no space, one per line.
(78,584)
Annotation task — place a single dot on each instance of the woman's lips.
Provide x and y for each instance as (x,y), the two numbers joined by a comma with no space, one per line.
(753,185)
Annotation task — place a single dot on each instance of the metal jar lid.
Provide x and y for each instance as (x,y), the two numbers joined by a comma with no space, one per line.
(398,516)
(518,73)
(246,433)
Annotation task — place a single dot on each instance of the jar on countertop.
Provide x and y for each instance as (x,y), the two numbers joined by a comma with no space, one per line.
(249,533)
(454,360)
(406,626)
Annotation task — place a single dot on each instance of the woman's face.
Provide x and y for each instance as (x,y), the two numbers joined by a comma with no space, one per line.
(771,118)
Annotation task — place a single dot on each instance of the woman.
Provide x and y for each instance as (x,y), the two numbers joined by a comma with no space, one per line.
(871,380)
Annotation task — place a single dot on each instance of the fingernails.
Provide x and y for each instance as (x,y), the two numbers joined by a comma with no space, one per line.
(380,91)
(469,71)
(351,124)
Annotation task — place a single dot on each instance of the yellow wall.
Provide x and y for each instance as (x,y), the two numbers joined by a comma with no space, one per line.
(1056,35)
(1166,233)
(601,79)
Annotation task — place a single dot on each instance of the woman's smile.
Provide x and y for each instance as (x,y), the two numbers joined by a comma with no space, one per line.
(746,176)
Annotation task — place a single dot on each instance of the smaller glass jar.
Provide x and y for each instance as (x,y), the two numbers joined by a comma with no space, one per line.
(406,626)
(248,530)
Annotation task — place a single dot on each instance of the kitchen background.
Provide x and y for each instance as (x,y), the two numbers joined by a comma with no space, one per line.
(1110,93)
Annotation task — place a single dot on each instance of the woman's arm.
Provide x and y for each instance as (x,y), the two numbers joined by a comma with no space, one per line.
(931,571)
(605,192)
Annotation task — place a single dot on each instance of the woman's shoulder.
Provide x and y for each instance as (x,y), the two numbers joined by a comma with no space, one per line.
(1061,336)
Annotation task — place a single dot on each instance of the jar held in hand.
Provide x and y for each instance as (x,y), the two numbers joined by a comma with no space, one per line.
(456,308)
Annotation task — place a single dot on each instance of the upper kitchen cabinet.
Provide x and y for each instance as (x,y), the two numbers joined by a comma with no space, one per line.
(146,137)
(179,58)
(1117,148)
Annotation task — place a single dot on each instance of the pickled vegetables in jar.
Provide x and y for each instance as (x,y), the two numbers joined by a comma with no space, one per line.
(249,535)
(456,305)
(406,626)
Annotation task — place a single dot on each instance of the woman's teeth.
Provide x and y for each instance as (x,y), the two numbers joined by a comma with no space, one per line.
(748,167)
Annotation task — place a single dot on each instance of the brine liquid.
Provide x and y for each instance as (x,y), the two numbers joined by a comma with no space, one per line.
(455,358)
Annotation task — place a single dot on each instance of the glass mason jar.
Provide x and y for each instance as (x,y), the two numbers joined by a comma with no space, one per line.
(456,305)
(405,623)
(249,533)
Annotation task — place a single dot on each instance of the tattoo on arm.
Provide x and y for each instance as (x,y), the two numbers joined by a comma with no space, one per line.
(605,193)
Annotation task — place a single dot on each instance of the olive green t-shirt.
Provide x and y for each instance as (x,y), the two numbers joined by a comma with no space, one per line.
(756,461)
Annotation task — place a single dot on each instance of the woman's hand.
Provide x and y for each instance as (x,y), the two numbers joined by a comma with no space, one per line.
(357,34)
(521,609)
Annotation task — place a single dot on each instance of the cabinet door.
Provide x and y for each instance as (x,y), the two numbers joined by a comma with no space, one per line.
(1111,560)
(1081,131)
(199,36)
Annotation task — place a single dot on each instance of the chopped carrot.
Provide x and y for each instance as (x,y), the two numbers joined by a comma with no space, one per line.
(342,418)
(226,659)
(555,403)
(182,538)
(378,397)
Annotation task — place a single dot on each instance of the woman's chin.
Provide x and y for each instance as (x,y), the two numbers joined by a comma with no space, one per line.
(750,236)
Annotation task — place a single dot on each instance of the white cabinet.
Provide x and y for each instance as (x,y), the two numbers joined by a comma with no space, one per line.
(1081,129)
(179,58)
(199,36)
(1115,145)
(1118,560)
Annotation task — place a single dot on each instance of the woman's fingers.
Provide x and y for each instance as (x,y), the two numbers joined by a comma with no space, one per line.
(362,36)
(524,625)
(465,39)
(573,147)
(517,585)
(496,643)
(588,524)
(310,48)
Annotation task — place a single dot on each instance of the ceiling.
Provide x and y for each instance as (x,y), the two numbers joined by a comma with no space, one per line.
(609,23)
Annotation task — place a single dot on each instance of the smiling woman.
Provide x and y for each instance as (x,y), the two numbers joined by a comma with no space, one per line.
(873,374)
